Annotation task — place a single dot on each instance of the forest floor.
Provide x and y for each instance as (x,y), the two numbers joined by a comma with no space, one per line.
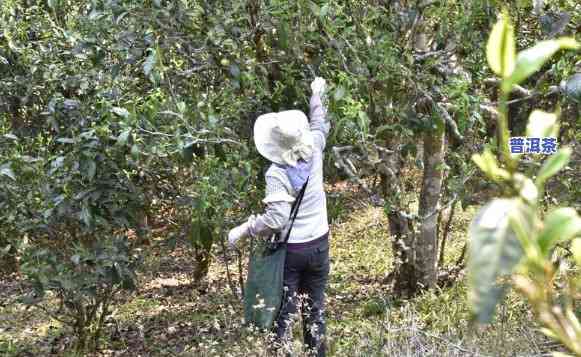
(168,317)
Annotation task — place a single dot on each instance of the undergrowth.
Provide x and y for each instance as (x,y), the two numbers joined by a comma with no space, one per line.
(168,316)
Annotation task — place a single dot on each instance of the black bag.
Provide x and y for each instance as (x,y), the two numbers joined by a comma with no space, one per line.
(264,285)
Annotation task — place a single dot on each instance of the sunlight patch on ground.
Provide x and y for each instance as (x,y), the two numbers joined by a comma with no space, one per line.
(20,325)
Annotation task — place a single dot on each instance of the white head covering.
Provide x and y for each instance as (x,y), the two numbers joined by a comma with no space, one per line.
(284,137)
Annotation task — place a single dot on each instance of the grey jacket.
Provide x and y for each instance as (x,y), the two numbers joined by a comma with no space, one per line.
(311,221)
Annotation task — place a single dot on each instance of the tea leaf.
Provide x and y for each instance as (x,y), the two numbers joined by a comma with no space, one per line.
(532,59)
(561,225)
(553,165)
(500,48)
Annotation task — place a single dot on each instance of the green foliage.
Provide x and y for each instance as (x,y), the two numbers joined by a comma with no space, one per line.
(512,226)
(503,60)
(222,184)
(532,59)
(552,166)
(111,111)
(489,165)
(561,225)
(84,285)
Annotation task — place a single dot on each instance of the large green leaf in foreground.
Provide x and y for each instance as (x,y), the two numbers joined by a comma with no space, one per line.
(494,252)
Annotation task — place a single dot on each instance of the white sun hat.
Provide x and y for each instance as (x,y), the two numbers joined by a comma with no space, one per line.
(284,137)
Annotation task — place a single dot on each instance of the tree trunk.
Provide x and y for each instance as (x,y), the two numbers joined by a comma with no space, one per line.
(404,254)
(427,242)
(202,258)
(401,227)
(142,228)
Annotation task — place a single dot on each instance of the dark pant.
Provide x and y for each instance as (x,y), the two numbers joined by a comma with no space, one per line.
(305,278)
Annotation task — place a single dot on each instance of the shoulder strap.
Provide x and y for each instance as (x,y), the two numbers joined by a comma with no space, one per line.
(295,209)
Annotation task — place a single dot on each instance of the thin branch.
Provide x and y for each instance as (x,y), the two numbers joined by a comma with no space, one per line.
(488,108)
(351,166)
(269,62)
(348,168)
(343,58)
(228,275)
(518,100)
(216,141)
(438,209)
(240,271)
(516,89)
(155,133)
(462,255)
(423,56)
(450,123)
(195,141)
(445,235)
(382,149)
(169,112)
(190,71)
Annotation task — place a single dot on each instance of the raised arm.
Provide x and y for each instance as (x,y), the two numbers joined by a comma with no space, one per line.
(318,113)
